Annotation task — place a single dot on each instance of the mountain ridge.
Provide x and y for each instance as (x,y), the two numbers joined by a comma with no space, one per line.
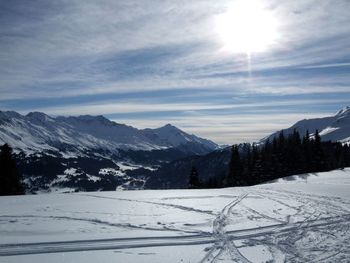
(88,157)
(90,153)
(174,174)
(331,128)
(37,131)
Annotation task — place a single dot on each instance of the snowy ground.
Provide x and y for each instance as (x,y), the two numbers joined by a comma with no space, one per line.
(299,219)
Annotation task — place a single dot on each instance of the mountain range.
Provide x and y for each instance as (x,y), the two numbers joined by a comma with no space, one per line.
(38,132)
(332,128)
(89,153)
(215,164)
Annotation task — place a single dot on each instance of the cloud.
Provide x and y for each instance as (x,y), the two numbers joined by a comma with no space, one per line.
(226,129)
(334,65)
(109,107)
(76,50)
(223,123)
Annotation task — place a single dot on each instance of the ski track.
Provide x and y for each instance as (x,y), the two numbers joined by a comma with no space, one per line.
(184,208)
(222,240)
(202,197)
(99,222)
(319,200)
(263,215)
(312,208)
(284,239)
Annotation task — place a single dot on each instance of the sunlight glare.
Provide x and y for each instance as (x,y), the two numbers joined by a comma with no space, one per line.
(247,27)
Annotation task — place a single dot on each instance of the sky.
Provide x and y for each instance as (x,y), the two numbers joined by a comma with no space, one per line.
(223,70)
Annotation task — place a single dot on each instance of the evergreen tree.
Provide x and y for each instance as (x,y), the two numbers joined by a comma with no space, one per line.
(10,183)
(294,154)
(307,152)
(281,140)
(319,163)
(306,138)
(284,156)
(268,169)
(212,182)
(193,181)
(234,176)
(248,164)
(346,155)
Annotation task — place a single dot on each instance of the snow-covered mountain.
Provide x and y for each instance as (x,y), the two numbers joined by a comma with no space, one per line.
(37,132)
(169,134)
(94,153)
(214,164)
(333,128)
(91,152)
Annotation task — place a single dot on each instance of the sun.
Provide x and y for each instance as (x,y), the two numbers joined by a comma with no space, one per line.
(247,27)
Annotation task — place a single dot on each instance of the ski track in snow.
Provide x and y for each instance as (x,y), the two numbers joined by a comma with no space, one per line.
(313,208)
(299,227)
(222,240)
(97,221)
(184,208)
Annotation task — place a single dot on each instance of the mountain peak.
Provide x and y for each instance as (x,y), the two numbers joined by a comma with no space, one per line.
(90,117)
(36,114)
(9,114)
(40,116)
(331,128)
(92,132)
(93,119)
(169,126)
(343,111)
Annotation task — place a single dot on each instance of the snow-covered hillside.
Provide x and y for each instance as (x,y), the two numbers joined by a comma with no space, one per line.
(37,132)
(333,128)
(296,219)
(90,153)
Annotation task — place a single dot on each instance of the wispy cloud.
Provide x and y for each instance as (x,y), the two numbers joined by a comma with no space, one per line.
(75,55)
(226,129)
(224,123)
(334,65)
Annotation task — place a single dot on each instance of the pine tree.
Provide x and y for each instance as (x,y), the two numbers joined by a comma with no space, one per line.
(294,157)
(306,138)
(248,164)
(340,154)
(193,181)
(284,156)
(307,152)
(346,155)
(319,162)
(10,182)
(234,176)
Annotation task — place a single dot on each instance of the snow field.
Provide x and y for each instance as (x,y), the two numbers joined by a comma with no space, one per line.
(297,219)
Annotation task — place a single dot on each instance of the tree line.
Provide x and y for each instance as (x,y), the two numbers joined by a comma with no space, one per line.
(10,179)
(283,156)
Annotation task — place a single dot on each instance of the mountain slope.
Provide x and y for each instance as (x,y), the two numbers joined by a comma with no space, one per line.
(91,152)
(37,132)
(177,137)
(175,174)
(333,128)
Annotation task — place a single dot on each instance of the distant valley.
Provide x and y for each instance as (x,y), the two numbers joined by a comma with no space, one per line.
(92,153)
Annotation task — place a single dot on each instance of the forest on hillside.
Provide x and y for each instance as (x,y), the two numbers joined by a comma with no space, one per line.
(281,157)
